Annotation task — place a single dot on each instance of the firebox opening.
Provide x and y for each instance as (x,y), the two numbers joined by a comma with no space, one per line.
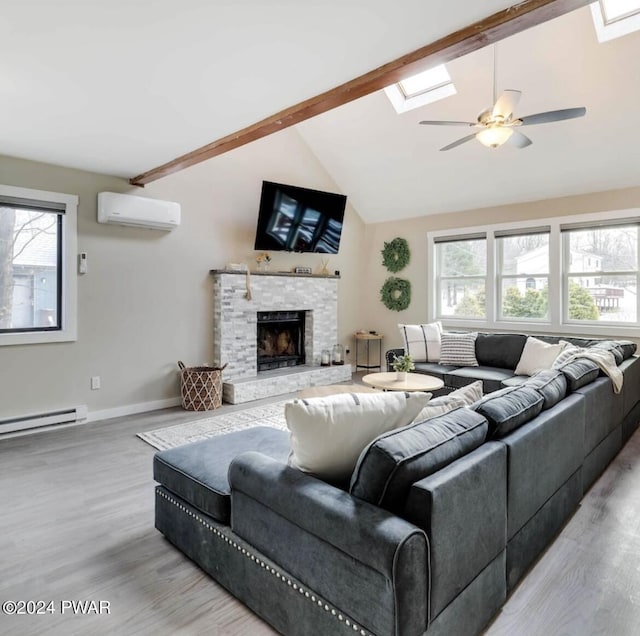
(280,341)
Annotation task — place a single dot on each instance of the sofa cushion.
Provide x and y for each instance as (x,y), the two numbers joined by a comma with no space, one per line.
(509,408)
(499,349)
(492,377)
(613,347)
(551,384)
(197,472)
(537,355)
(458,349)
(329,433)
(389,466)
(433,368)
(466,396)
(422,342)
(627,347)
(579,372)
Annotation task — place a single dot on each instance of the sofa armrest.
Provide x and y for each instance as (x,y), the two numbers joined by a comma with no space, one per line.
(365,560)
(463,507)
(390,355)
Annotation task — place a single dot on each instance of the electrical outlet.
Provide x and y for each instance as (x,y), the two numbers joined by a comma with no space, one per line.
(95,382)
(347,351)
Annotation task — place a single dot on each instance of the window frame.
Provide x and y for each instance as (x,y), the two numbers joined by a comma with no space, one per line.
(481,278)
(68,240)
(558,287)
(403,102)
(618,27)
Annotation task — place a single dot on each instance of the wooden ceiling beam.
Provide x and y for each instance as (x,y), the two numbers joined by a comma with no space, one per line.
(476,36)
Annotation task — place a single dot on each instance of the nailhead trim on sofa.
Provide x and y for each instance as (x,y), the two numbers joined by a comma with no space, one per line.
(283,578)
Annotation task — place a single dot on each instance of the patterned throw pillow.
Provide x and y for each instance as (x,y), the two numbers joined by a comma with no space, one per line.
(458,349)
(422,342)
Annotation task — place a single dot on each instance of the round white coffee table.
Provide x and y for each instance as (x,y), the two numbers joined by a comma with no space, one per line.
(414,382)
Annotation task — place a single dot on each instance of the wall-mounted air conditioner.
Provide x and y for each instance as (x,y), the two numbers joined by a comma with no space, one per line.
(126,209)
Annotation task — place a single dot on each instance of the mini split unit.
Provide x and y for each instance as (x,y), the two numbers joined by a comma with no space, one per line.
(126,209)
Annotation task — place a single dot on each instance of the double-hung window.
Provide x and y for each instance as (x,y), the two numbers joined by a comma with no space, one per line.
(523,274)
(462,276)
(601,272)
(37,266)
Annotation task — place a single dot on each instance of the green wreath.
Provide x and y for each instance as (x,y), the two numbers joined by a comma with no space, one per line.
(396,293)
(396,254)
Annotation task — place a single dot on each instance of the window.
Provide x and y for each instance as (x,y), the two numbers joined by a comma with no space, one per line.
(602,289)
(615,18)
(576,274)
(523,274)
(37,266)
(421,89)
(462,265)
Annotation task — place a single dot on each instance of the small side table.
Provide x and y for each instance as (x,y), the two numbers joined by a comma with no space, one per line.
(367,338)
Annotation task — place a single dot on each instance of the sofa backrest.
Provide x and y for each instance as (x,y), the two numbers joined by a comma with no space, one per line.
(394,461)
(499,349)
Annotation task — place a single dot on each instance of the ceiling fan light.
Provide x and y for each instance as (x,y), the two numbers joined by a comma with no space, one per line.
(494,136)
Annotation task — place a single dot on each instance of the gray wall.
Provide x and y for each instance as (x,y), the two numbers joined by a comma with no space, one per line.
(146,301)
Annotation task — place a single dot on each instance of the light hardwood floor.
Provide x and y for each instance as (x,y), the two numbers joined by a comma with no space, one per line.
(76,523)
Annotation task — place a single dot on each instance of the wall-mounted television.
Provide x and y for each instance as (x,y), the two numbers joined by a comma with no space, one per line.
(298,219)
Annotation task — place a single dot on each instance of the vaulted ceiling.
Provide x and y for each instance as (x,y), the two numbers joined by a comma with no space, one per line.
(121,87)
(392,168)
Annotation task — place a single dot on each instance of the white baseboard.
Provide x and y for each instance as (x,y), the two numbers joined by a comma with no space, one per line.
(132,409)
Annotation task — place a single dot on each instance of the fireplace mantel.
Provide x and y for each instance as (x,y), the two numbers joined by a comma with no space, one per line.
(233,271)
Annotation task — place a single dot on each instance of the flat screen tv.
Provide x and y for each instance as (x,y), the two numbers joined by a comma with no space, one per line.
(298,219)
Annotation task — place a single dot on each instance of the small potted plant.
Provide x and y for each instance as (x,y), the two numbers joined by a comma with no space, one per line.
(263,259)
(402,365)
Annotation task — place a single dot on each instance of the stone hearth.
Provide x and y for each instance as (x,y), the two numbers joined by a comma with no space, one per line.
(235,331)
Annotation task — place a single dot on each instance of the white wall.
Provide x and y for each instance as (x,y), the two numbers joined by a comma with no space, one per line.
(146,301)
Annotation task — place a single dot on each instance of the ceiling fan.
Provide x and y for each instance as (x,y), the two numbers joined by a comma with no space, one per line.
(498,124)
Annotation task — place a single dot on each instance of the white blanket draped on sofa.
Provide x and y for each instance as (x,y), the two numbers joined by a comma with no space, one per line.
(603,358)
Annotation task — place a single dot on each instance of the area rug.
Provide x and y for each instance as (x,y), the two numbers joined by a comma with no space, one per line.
(195,430)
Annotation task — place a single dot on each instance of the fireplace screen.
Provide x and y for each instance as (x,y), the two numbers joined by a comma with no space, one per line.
(280,339)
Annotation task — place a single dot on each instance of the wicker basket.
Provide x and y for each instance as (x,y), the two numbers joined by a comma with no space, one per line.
(200,387)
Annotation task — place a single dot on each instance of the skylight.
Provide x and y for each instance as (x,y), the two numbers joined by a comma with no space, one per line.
(615,18)
(420,89)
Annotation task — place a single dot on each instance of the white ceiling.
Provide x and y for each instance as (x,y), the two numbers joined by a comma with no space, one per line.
(391,167)
(120,87)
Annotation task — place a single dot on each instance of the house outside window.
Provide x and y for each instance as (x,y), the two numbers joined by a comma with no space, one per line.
(37,266)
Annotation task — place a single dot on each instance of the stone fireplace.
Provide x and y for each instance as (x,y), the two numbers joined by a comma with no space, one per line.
(303,314)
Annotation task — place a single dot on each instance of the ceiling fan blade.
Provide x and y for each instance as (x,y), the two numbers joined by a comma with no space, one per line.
(506,104)
(519,140)
(447,123)
(459,142)
(553,115)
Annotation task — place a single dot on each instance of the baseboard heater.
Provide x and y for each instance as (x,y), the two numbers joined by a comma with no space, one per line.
(39,420)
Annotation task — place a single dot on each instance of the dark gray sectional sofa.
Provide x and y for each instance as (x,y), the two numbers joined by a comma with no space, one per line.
(440,521)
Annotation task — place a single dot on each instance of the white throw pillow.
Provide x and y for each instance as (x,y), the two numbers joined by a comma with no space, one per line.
(422,342)
(329,433)
(458,349)
(538,356)
(465,396)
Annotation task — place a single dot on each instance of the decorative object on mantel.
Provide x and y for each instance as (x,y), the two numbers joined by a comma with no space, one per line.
(396,293)
(325,358)
(264,261)
(402,365)
(303,270)
(237,267)
(248,285)
(338,354)
(200,387)
(396,255)
(324,267)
